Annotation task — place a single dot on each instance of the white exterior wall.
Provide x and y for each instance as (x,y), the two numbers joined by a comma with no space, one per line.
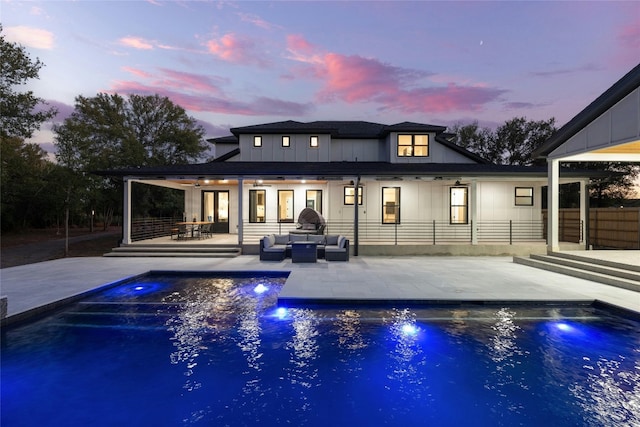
(273,151)
(357,150)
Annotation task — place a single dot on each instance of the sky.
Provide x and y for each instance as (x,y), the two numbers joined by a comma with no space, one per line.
(239,63)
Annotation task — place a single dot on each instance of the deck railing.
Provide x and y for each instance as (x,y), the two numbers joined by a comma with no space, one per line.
(151,228)
(431,232)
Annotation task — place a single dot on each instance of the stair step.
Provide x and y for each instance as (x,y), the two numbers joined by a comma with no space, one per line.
(548,264)
(174,254)
(587,264)
(604,262)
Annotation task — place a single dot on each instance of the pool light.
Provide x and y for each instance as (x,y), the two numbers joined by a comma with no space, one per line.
(409,329)
(281,312)
(260,289)
(138,288)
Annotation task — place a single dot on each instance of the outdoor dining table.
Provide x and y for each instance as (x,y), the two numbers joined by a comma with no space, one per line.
(192,225)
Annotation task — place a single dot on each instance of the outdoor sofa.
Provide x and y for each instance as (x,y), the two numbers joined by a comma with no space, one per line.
(276,247)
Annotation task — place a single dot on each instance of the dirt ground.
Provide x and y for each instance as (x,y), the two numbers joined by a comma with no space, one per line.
(37,245)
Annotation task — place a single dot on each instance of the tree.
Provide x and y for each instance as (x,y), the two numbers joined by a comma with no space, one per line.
(476,139)
(18,115)
(511,144)
(109,131)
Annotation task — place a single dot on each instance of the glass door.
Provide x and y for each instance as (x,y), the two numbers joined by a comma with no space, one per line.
(215,209)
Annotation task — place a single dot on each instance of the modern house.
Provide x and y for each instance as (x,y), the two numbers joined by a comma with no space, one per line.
(391,189)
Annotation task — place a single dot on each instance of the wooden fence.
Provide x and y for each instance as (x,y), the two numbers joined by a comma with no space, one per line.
(608,227)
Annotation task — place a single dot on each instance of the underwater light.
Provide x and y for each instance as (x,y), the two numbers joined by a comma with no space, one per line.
(409,329)
(260,289)
(138,288)
(565,327)
(281,312)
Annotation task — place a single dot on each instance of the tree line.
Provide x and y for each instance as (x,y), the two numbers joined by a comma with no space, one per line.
(110,131)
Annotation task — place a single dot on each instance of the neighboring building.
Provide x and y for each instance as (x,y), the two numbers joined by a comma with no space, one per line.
(392,189)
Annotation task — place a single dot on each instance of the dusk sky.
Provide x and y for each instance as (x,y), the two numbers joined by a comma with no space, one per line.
(241,63)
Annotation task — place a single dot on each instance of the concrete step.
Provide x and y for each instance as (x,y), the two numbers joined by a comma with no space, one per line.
(549,263)
(607,263)
(594,265)
(175,251)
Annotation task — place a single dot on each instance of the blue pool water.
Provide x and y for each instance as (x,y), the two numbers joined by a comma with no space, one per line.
(171,350)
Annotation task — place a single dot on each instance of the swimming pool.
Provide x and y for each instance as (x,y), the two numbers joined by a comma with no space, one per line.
(178,349)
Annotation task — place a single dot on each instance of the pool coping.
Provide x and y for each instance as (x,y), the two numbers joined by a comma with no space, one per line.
(48,308)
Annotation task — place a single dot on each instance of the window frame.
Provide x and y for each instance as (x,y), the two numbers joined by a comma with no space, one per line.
(360,195)
(317,204)
(253,206)
(257,141)
(465,205)
(293,204)
(413,145)
(314,139)
(396,206)
(286,138)
(524,200)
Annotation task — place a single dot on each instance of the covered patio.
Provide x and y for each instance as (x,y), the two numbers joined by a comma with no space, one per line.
(607,130)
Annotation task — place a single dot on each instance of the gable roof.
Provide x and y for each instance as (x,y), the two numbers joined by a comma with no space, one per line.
(613,95)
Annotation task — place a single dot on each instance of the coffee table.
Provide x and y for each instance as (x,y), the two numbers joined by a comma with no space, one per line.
(304,252)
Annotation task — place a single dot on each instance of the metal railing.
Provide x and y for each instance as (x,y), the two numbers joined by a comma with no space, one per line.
(430,232)
(151,228)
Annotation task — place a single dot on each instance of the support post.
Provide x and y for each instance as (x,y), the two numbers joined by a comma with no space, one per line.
(240,208)
(356,205)
(126,212)
(474,212)
(553,170)
(584,211)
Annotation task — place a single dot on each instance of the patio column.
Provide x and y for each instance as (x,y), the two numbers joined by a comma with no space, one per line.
(474,212)
(584,199)
(126,212)
(553,171)
(240,199)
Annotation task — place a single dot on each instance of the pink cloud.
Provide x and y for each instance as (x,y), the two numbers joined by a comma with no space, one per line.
(136,43)
(204,93)
(235,49)
(355,79)
(32,37)
(137,72)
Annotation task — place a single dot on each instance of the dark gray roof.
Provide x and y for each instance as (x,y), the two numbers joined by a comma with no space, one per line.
(613,95)
(337,170)
(337,128)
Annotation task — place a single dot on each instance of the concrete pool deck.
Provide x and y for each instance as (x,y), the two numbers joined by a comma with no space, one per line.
(438,278)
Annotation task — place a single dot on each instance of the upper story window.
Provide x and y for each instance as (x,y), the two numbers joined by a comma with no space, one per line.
(313,142)
(286,141)
(257,141)
(413,145)
(524,196)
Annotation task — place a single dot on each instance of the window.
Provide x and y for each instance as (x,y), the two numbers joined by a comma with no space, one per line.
(257,207)
(524,196)
(413,145)
(391,205)
(285,205)
(313,142)
(459,205)
(349,195)
(286,141)
(257,141)
(314,199)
